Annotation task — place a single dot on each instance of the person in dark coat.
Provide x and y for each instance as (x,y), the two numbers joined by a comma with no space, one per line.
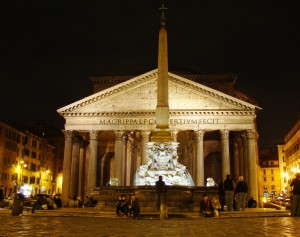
(229,192)
(57,201)
(160,194)
(242,191)
(40,204)
(295,208)
(134,207)
(206,208)
(122,206)
(252,203)
(17,208)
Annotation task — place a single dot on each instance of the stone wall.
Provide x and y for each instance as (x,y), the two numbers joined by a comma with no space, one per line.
(180,199)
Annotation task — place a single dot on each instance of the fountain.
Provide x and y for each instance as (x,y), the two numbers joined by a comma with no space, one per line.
(163,160)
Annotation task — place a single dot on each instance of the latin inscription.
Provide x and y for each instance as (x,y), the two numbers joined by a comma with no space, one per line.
(152,121)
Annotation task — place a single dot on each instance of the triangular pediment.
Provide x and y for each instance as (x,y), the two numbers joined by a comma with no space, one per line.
(139,95)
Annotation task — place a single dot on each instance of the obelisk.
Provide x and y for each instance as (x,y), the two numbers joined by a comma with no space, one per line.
(162,132)
(162,158)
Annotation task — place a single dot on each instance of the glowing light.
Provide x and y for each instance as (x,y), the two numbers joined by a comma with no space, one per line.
(26,190)
(59,179)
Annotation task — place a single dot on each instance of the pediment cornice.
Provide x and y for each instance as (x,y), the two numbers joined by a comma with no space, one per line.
(210,92)
(74,108)
(171,113)
(111,91)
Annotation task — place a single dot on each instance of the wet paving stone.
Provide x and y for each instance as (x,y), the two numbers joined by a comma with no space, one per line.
(107,227)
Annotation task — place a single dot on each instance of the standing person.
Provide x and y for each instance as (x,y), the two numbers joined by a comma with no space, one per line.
(18,204)
(296,195)
(160,194)
(229,192)
(134,207)
(241,190)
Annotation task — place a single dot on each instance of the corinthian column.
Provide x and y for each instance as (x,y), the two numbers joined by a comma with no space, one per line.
(82,171)
(92,166)
(236,159)
(225,153)
(252,164)
(245,156)
(67,166)
(118,155)
(75,167)
(199,158)
(241,157)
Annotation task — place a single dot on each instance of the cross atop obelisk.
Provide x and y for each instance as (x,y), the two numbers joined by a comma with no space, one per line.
(163,8)
(162,132)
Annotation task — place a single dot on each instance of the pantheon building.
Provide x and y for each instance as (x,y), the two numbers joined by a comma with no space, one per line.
(106,133)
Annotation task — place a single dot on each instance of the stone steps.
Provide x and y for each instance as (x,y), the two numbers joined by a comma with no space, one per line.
(92,212)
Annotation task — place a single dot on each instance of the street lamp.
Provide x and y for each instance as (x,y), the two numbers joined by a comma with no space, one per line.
(294,170)
(23,165)
(44,178)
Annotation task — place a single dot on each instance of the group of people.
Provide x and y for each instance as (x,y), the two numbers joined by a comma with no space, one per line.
(234,196)
(210,207)
(126,208)
(231,197)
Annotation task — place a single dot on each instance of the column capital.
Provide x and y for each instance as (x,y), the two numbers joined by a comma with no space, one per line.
(224,134)
(199,134)
(68,134)
(145,134)
(94,135)
(250,134)
(119,135)
(174,134)
(125,137)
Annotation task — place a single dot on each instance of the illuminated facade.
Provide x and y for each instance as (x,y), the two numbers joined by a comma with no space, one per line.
(269,173)
(289,153)
(26,162)
(106,133)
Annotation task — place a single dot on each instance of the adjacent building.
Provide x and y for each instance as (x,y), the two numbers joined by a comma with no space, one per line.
(269,173)
(289,155)
(26,162)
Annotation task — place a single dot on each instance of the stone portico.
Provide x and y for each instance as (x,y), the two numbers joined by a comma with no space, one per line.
(106,133)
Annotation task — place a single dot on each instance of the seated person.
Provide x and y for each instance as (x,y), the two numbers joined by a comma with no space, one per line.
(74,202)
(40,204)
(206,208)
(252,203)
(216,205)
(134,207)
(122,206)
(57,201)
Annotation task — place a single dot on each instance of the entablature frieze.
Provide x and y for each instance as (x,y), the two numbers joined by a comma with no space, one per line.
(172,113)
(177,128)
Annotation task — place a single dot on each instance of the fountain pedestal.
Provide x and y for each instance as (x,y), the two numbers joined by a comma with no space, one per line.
(179,198)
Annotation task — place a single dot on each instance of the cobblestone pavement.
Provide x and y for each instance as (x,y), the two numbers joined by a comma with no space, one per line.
(94,226)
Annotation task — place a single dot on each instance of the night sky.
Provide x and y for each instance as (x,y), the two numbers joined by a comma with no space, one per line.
(48,49)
